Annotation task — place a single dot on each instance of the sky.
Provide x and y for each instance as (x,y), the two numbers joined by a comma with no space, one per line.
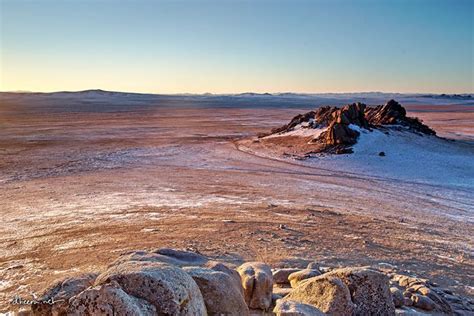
(228,46)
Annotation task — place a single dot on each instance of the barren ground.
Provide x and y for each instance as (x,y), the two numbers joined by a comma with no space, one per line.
(77,189)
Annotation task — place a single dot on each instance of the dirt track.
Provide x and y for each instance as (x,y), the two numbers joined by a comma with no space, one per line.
(78,189)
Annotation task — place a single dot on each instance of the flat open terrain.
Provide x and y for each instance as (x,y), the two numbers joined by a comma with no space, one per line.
(79,187)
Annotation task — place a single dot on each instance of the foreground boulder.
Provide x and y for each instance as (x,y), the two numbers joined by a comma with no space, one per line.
(220,293)
(168,288)
(369,290)
(60,293)
(257,282)
(217,266)
(329,294)
(292,308)
(109,299)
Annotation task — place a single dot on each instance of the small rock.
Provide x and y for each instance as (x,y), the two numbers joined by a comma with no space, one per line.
(407,301)
(382,154)
(280,276)
(423,302)
(298,276)
(397,295)
(313,266)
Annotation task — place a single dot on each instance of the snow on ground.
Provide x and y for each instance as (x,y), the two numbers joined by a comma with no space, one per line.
(301,130)
(408,156)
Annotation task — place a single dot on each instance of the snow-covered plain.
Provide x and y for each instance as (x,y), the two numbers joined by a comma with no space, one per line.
(408,156)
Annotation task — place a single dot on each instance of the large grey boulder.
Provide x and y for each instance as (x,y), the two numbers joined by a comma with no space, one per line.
(166,287)
(257,282)
(109,299)
(292,308)
(329,294)
(369,289)
(60,292)
(221,295)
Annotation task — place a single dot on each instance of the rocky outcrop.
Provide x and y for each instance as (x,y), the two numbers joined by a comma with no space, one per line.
(257,281)
(300,118)
(422,294)
(342,124)
(392,113)
(328,294)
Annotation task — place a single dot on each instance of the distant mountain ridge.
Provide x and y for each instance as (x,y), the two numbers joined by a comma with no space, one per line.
(462,96)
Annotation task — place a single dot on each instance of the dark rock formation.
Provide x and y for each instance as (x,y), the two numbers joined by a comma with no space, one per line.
(300,118)
(339,136)
(392,113)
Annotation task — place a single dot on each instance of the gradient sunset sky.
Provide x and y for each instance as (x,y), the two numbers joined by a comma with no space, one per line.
(237,46)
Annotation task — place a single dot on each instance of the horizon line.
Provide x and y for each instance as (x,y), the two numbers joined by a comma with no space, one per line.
(237,93)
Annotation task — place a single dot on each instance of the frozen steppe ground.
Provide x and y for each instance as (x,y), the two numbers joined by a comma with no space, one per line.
(81,181)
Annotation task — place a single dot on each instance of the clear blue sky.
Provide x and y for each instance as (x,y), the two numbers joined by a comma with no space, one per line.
(236,46)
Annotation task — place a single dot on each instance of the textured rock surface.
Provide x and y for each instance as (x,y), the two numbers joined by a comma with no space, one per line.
(298,276)
(109,299)
(369,290)
(257,282)
(217,266)
(393,113)
(292,308)
(220,293)
(329,294)
(61,292)
(168,288)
